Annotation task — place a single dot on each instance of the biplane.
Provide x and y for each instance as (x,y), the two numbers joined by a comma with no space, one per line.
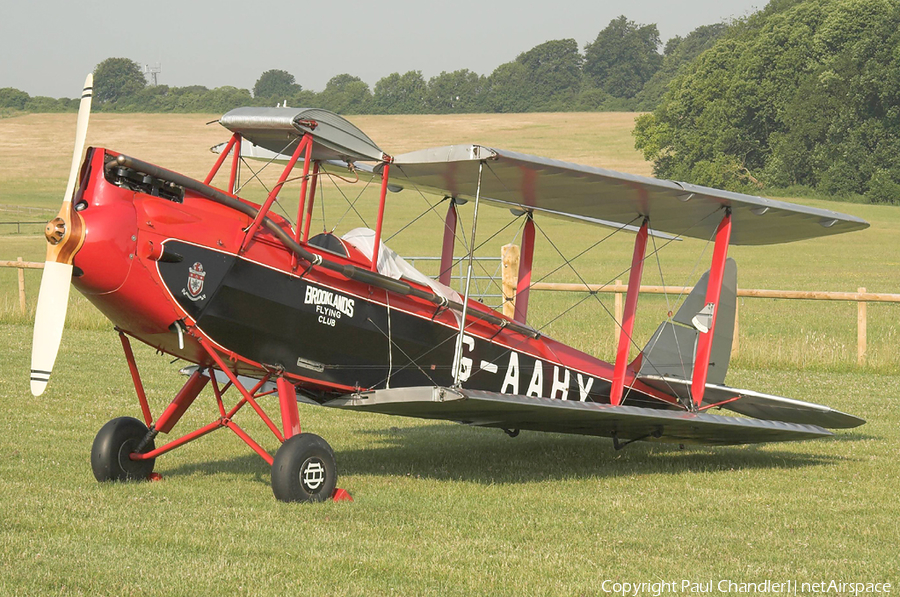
(261,306)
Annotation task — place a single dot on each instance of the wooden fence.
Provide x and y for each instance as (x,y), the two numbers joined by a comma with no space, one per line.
(509,275)
(22,266)
(860,297)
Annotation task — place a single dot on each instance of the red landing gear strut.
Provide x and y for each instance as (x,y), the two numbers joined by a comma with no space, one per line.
(303,469)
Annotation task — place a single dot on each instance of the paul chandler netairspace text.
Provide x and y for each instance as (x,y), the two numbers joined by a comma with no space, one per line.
(789,587)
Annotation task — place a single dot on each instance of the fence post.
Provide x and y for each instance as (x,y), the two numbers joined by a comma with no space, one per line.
(861,329)
(21,271)
(510,276)
(617,310)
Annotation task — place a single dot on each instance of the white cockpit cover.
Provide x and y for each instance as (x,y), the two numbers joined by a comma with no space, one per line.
(390,264)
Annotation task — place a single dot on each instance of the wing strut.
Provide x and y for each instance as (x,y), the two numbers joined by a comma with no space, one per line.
(446,272)
(235,140)
(713,291)
(627,327)
(457,360)
(385,175)
(304,185)
(235,165)
(305,143)
(312,198)
(525,262)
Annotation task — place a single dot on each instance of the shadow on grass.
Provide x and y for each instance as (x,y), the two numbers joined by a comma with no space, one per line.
(488,456)
(249,465)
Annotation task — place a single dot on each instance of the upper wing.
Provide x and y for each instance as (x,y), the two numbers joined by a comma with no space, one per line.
(563,189)
(280,129)
(508,411)
(559,189)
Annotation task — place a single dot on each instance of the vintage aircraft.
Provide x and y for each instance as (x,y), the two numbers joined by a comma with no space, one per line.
(260,306)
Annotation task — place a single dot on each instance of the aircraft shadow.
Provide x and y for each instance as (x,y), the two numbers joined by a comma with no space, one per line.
(488,456)
(248,464)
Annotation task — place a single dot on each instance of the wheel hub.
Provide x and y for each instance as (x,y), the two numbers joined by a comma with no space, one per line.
(312,474)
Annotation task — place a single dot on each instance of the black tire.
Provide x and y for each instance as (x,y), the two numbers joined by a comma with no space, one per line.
(114,442)
(303,470)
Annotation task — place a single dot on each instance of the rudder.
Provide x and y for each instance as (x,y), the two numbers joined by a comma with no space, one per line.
(672,349)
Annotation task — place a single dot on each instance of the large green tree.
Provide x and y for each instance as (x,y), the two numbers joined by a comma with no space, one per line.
(554,74)
(345,94)
(117,78)
(623,57)
(458,92)
(679,52)
(276,84)
(805,92)
(508,89)
(546,77)
(401,94)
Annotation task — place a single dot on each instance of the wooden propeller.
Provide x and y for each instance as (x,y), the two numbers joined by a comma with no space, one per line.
(65,235)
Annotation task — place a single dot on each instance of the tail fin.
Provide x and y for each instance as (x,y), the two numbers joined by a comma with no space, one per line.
(672,349)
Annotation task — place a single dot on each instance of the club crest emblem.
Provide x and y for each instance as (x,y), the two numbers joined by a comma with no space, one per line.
(196,275)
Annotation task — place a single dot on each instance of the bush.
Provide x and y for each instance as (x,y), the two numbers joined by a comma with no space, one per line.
(13,98)
(883,189)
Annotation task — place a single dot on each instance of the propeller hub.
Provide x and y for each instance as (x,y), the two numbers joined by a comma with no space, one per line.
(55,230)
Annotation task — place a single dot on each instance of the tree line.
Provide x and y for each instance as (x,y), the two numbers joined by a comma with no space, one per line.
(621,69)
(804,94)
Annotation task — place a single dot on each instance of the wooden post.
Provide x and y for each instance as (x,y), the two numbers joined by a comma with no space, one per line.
(618,310)
(861,329)
(21,270)
(510,277)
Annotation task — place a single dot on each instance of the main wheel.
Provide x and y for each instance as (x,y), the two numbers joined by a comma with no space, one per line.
(114,442)
(303,470)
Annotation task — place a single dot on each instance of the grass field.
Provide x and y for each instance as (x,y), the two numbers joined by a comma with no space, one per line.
(442,509)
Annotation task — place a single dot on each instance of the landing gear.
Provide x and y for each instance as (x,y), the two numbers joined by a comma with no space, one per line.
(304,470)
(114,442)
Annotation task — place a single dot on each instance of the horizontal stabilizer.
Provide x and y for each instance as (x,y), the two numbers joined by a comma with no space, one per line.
(760,406)
(509,411)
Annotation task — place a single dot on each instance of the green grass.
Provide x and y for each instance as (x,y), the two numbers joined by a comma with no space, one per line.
(442,509)
(439,509)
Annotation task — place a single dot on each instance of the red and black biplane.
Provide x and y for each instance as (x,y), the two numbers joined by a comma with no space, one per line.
(260,306)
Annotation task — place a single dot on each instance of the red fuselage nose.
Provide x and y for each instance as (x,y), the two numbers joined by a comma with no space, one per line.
(111,271)
(110,239)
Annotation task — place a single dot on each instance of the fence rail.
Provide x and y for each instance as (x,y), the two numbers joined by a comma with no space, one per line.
(860,297)
(25,209)
(19,225)
(484,286)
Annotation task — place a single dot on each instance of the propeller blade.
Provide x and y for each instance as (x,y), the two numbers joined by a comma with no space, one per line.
(84,114)
(53,300)
(49,319)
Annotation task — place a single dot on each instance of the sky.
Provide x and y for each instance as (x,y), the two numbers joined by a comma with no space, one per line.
(50,45)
